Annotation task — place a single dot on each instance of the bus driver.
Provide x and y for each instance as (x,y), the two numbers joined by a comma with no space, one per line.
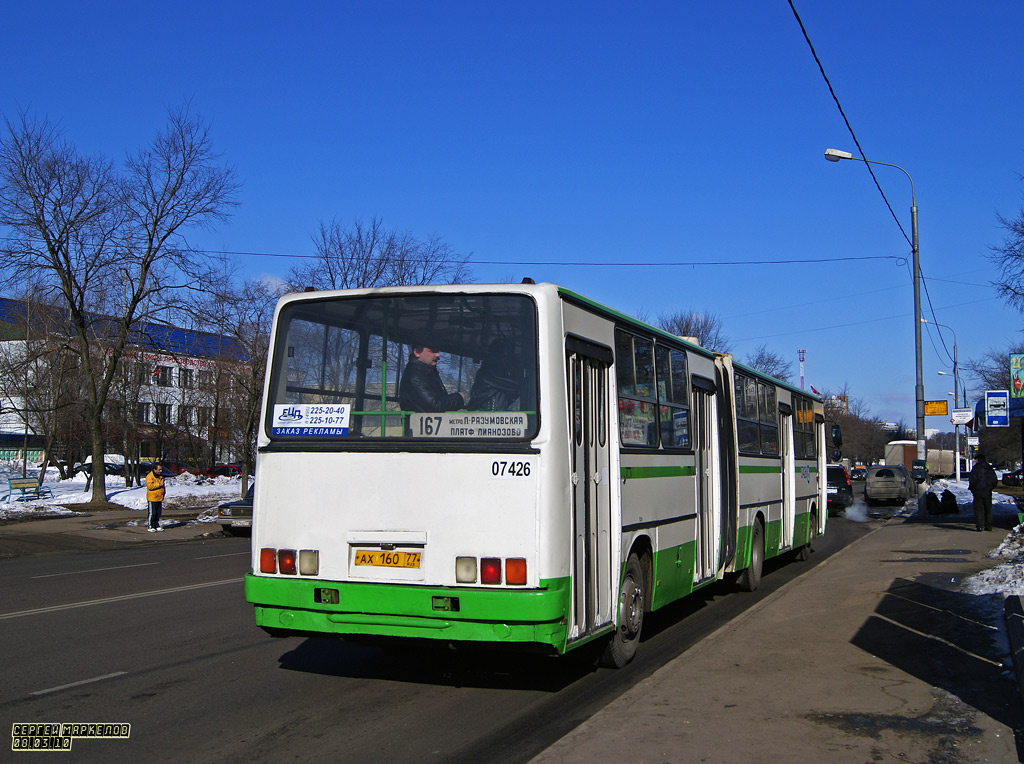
(421,389)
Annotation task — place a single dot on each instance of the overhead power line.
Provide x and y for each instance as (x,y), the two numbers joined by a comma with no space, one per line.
(584,263)
(849,127)
(613,264)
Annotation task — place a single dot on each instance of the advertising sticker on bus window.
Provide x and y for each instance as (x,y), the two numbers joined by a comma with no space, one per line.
(463,424)
(310,420)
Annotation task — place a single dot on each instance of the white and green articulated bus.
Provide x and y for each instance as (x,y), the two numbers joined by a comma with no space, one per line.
(514,465)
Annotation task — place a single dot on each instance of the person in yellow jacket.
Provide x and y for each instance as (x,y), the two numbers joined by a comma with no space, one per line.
(155,496)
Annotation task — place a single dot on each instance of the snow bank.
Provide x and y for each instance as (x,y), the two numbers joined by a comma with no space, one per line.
(183,489)
(1006,578)
(1002,505)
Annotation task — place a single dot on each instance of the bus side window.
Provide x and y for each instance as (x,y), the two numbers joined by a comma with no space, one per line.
(673,410)
(768,414)
(638,415)
(746,415)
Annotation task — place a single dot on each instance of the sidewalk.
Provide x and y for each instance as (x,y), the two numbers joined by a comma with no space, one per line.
(871,656)
(102,529)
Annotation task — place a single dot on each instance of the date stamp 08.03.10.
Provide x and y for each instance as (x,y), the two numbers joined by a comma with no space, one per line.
(58,736)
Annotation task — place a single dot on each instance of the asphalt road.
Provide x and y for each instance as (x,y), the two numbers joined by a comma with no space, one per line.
(162,638)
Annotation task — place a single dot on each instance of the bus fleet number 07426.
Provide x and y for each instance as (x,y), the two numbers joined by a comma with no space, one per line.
(510,469)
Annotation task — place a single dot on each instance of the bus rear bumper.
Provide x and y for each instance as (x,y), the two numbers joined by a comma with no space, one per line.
(296,606)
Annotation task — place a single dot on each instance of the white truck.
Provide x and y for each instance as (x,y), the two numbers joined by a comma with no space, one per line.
(905,452)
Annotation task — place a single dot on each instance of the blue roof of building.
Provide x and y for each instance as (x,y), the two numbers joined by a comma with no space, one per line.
(147,334)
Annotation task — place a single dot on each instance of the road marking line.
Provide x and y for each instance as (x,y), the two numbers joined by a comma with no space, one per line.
(96,570)
(231,554)
(121,598)
(76,684)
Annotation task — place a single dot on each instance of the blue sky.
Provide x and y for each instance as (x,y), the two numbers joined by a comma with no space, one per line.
(625,138)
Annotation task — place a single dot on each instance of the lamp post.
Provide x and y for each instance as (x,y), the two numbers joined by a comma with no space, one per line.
(956,389)
(834,155)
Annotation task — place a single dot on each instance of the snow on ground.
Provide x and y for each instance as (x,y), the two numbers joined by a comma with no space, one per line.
(1006,578)
(182,490)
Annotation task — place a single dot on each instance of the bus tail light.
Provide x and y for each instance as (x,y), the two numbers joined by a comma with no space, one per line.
(515,571)
(290,562)
(465,570)
(309,562)
(286,561)
(268,561)
(490,570)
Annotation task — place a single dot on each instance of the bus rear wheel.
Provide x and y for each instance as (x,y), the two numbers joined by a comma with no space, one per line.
(622,646)
(751,576)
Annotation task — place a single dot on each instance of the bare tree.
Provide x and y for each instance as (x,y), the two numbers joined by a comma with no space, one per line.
(767,362)
(38,370)
(705,327)
(1009,258)
(373,256)
(243,316)
(109,245)
(122,413)
(1001,445)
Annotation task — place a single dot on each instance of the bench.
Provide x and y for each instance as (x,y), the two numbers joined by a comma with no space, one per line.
(29,488)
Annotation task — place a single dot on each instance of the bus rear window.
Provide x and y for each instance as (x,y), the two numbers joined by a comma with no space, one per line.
(418,367)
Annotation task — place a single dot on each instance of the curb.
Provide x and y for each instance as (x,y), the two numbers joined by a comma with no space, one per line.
(1013,610)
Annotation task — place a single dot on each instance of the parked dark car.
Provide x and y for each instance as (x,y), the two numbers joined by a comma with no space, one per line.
(838,489)
(890,483)
(1011,478)
(235,517)
(109,468)
(223,470)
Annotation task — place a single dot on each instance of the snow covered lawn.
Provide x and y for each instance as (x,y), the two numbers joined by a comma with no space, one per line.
(183,490)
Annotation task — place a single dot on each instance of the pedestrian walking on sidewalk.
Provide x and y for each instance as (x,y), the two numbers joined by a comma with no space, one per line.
(981,481)
(155,496)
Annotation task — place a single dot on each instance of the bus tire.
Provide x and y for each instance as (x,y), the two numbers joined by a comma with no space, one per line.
(750,578)
(622,646)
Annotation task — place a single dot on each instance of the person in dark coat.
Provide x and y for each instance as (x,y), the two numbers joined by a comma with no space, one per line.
(422,389)
(981,481)
(495,387)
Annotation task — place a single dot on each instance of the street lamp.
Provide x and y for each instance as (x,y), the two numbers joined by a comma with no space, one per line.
(956,389)
(834,155)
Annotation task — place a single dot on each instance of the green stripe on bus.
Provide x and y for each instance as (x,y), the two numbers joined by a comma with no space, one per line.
(411,610)
(749,469)
(639,473)
(673,573)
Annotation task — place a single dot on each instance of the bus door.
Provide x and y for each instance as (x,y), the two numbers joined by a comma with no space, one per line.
(788,480)
(708,474)
(593,587)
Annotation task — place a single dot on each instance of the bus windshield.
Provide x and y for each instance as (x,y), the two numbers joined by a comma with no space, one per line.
(419,367)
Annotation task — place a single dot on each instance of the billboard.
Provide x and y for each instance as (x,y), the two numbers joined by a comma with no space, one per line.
(1017,375)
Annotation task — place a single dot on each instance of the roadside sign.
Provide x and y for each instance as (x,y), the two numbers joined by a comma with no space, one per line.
(1017,375)
(997,408)
(973,440)
(962,416)
(936,408)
